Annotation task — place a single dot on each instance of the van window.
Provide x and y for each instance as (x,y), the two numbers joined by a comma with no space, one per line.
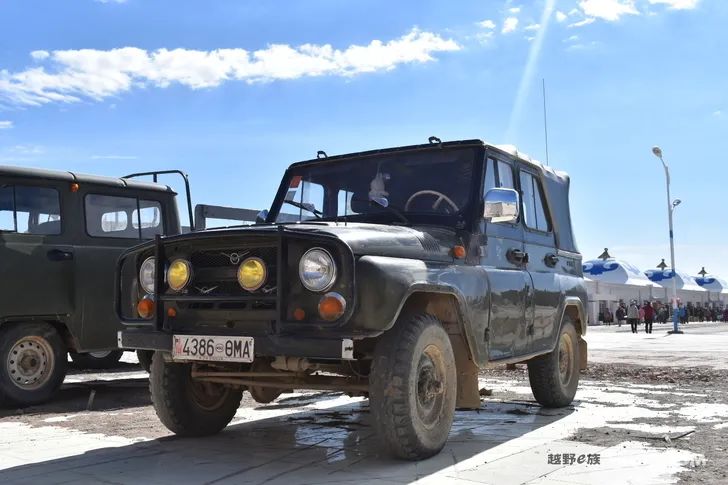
(26,209)
(534,213)
(110,216)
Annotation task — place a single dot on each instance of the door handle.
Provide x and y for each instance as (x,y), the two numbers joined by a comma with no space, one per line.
(551,260)
(60,255)
(517,256)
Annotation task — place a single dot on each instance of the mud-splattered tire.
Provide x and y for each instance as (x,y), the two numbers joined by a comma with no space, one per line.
(554,377)
(145,359)
(97,360)
(187,407)
(412,388)
(32,363)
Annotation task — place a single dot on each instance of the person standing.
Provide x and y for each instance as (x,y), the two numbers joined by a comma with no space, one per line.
(621,314)
(649,316)
(633,315)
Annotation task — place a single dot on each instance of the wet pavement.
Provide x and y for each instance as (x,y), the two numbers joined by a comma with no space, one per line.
(318,438)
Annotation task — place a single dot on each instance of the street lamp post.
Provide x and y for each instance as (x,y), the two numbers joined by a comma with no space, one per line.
(671,205)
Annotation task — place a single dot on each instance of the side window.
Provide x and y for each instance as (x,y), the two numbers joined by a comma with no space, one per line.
(490,175)
(498,174)
(122,217)
(149,218)
(534,213)
(30,210)
(505,176)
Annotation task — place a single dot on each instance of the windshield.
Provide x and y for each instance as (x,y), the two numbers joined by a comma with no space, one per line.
(395,187)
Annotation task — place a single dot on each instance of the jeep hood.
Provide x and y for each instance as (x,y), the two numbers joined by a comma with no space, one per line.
(418,242)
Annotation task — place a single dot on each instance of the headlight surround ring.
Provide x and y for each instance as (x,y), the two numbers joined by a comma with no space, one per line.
(252,273)
(317,270)
(147,272)
(179,274)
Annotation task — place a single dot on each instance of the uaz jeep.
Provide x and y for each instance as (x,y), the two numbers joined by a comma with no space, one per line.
(393,274)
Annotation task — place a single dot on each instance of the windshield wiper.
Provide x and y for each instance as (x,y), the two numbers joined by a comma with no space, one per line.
(307,207)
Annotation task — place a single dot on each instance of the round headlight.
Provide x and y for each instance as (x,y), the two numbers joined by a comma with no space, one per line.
(317,270)
(179,274)
(252,273)
(146,274)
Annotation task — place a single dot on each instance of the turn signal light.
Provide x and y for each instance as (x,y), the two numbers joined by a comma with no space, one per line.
(145,308)
(299,314)
(331,306)
(458,252)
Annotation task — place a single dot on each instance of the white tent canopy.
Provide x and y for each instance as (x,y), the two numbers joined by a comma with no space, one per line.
(611,281)
(688,290)
(717,287)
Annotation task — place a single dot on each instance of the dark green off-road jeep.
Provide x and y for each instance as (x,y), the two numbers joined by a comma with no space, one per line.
(394,274)
(61,235)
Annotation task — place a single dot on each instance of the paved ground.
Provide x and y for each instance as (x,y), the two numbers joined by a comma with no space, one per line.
(629,419)
(702,344)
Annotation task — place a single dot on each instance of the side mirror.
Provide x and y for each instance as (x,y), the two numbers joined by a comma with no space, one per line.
(501,205)
(261,217)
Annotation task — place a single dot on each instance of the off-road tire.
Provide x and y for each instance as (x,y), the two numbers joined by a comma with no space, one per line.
(396,388)
(173,397)
(51,349)
(145,359)
(549,386)
(89,361)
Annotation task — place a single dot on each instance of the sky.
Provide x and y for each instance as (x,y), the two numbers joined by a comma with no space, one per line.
(233,91)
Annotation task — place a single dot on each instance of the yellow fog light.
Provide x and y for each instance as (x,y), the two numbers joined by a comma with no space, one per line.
(179,274)
(252,273)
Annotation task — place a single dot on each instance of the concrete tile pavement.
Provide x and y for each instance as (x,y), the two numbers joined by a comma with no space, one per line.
(331,441)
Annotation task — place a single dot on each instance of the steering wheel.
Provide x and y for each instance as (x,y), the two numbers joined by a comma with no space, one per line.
(440,197)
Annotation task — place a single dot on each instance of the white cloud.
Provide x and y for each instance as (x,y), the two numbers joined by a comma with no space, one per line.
(26,150)
(514,10)
(73,75)
(532,27)
(509,25)
(560,16)
(113,157)
(677,4)
(717,113)
(40,55)
(582,23)
(487,24)
(610,10)
(5,125)
(572,38)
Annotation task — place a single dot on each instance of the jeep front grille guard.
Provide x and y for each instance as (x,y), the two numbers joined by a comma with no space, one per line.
(155,175)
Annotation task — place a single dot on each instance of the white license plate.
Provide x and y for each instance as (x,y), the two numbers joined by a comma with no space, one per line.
(214,348)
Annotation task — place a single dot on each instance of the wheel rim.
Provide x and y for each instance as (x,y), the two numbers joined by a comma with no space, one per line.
(30,362)
(430,386)
(100,355)
(208,396)
(566,358)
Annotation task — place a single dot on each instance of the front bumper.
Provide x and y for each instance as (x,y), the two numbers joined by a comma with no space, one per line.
(265,346)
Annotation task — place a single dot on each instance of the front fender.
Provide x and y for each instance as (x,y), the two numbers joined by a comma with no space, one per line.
(384,285)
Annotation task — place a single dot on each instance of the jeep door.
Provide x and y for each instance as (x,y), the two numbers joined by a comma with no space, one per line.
(502,258)
(114,219)
(542,265)
(36,253)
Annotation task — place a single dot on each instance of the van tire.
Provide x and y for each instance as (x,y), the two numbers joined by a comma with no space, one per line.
(32,363)
(554,377)
(102,360)
(413,387)
(178,399)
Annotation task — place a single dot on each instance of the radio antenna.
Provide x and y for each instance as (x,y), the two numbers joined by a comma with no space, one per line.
(545,121)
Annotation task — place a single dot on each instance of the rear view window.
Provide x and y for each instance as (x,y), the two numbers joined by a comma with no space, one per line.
(122,217)
(30,210)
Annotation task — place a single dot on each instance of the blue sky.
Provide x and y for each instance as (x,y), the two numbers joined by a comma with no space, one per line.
(234,91)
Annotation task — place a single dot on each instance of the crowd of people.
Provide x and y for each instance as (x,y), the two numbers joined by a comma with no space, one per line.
(649,312)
